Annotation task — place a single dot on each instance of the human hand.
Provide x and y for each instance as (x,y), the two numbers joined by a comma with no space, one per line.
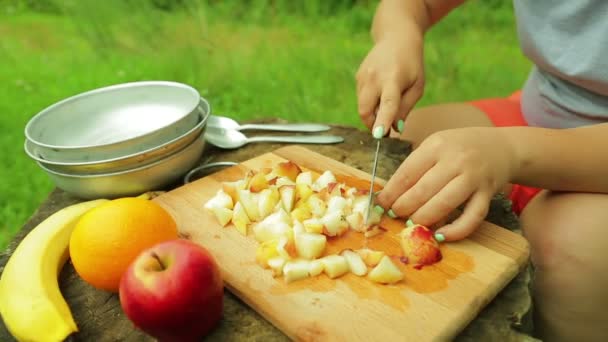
(390,81)
(448,169)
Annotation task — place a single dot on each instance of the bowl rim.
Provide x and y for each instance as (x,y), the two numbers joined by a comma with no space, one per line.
(122,172)
(200,125)
(32,121)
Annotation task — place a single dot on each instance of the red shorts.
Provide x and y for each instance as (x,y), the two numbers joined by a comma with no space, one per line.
(507,112)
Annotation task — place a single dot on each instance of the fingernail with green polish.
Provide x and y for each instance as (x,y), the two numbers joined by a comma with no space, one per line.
(400,125)
(378,132)
(439,237)
(409,223)
(379,209)
(391,213)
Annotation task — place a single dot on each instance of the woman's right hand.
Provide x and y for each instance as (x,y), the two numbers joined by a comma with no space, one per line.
(390,81)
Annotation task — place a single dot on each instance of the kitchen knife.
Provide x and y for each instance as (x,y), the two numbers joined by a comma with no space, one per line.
(371,186)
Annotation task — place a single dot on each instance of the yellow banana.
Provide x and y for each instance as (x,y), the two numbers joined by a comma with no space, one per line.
(31,304)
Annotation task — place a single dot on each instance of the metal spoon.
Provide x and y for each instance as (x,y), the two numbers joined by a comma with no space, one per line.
(228,123)
(230,139)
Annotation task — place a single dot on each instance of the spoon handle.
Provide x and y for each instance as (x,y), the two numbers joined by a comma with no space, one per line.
(296,127)
(304,139)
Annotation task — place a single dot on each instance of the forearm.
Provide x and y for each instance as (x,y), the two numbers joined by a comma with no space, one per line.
(562,160)
(403,18)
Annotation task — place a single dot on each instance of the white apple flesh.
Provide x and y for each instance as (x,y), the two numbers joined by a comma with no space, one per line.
(355,263)
(334,265)
(385,272)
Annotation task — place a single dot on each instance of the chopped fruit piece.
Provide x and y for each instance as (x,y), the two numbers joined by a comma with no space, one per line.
(223,215)
(266,251)
(310,246)
(273,226)
(373,231)
(316,268)
(267,201)
(286,248)
(232,188)
(350,193)
(301,214)
(317,206)
(323,180)
(240,218)
(248,200)
(360,204)
(370,257)
(220,200)
(288,197)
(304,178)
(281,181)
(298,228)
(296,270)
(336,203)
(385,272)
(355,221)
(334,223)
(334,265)
(258,183)
(303,191)
(288,169)
(355,263)
(270,231)
(419,245)
(276,265)
(313,225)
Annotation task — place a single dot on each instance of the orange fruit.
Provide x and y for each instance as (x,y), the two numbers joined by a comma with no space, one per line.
(108,238)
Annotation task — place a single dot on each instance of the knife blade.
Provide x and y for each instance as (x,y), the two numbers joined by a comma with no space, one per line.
(371,186)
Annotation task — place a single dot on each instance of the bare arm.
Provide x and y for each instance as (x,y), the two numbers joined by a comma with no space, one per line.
(573,159)
(402,16)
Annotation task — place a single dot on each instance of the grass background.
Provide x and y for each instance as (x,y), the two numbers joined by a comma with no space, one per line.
(290,59)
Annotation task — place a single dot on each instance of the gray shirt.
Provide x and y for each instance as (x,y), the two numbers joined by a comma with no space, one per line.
(567,40)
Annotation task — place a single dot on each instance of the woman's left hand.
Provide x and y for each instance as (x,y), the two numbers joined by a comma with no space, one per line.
(448,169)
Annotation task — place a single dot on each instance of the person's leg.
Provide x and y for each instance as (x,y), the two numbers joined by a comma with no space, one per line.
(567,233)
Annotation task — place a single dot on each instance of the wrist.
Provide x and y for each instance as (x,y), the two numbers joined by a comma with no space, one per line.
(515,154)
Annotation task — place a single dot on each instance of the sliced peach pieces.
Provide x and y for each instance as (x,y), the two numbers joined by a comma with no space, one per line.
(419,246)
(303,191)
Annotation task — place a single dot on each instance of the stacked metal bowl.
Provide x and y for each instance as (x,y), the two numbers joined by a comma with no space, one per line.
(120,140)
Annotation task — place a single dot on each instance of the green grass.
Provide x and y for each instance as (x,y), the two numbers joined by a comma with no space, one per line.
(255,60)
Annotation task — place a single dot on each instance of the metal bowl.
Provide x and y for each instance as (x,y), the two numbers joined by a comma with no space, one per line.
(131,182)
(122,163)
(115,121)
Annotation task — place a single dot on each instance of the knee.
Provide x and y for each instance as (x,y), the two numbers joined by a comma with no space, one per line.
(565,229)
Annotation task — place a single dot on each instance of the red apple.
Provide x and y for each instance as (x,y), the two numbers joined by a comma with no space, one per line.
(173,291)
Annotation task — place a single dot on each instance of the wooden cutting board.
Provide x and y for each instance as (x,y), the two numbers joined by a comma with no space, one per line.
(433,303)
